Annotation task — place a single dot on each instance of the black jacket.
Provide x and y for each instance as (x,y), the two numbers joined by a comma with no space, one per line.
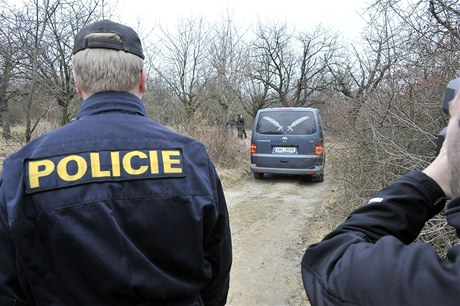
(113,209)
(370,258)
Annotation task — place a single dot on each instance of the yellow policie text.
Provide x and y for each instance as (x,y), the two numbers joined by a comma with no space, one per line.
(106,164)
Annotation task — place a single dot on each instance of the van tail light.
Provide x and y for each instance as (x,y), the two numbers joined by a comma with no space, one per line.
(319,149)
(253,147)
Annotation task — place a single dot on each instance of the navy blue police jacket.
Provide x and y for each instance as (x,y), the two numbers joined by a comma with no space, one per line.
(113,209)
(372,259)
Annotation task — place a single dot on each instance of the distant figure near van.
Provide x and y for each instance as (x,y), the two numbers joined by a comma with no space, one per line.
(240,127)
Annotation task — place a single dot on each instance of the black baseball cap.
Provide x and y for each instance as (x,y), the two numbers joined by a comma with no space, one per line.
(129,40)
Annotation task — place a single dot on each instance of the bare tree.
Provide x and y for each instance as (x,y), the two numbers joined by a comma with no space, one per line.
(318,49)
(227,57)
(430,25)
(359,72)
(274,56)
(43,36)
(182,62)
(31,33)
(255,92)
(7,51)
(292,69)
(63,24)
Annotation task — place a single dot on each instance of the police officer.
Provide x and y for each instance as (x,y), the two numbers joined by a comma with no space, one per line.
(113,208)
(370,258)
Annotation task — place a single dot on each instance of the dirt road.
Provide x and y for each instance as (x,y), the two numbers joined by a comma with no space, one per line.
(272,221)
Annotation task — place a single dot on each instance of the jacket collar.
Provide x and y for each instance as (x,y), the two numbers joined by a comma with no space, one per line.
(111,101)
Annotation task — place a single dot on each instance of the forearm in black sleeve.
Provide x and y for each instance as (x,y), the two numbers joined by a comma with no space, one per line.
(400,209)
(367,259)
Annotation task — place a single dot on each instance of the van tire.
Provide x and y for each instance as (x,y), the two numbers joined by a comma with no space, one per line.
(258,176)
(319,178)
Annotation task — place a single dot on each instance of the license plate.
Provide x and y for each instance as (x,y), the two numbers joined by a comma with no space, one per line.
(290,150)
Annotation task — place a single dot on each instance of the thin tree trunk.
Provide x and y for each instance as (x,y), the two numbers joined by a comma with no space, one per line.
(5,113)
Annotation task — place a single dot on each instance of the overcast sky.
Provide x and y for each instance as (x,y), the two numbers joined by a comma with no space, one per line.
(339,15)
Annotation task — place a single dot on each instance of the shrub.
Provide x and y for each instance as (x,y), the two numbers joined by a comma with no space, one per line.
(383,140)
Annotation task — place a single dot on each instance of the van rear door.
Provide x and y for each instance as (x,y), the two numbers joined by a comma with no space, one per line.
(286,139)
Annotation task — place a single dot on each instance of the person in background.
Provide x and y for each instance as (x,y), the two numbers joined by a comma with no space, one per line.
(370,259)
(240,126)
(113,208)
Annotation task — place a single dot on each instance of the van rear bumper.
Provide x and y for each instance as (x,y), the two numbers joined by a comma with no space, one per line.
(308,171)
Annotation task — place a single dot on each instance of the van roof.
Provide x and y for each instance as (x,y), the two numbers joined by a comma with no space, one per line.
(276,109)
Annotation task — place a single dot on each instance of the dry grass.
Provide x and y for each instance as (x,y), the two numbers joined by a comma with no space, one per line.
(229,154)
(9,146)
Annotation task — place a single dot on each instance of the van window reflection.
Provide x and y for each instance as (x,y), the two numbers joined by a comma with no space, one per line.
(286,123)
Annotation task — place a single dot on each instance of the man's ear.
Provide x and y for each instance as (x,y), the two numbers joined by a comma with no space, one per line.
(77,86)
(143,82)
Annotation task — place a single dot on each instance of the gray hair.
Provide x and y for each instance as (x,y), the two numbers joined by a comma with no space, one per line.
(98,70)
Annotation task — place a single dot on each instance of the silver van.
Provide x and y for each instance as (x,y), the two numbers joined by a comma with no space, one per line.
(288,140)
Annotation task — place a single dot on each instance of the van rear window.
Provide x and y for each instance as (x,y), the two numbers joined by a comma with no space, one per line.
(286,123)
